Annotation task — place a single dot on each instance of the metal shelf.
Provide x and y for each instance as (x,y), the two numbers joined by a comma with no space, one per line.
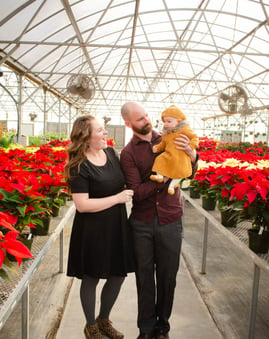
(239,237)
(12,290)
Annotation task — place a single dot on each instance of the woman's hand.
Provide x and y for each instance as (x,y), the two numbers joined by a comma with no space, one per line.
(182,143)
(125,196)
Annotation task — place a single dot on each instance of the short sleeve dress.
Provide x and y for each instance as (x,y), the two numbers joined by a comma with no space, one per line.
(100,243)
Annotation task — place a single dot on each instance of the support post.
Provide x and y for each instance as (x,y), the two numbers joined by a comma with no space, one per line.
(254,301)
(25,313)
(61,254)
(203,271)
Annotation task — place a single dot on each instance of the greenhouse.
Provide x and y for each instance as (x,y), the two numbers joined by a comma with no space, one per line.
(121,67)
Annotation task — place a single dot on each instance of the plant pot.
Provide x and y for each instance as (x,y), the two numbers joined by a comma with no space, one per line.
(194,193)
(42,230)
(63,199)
(55,211)
(208,204)
(27,242)
(229,218)
(258,243)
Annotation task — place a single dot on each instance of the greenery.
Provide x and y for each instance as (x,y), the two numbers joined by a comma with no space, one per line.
(257,213)
(6,138)
(259,148)
(39,140)
(23,205)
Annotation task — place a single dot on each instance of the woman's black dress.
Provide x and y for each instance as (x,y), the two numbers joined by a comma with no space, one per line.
(100,244)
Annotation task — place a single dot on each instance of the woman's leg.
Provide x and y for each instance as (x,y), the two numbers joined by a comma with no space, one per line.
(88,298)
(109,295)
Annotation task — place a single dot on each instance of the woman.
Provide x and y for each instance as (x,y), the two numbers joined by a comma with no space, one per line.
(100,243)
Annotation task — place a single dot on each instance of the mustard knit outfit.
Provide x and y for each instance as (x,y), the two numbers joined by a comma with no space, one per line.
(174,163)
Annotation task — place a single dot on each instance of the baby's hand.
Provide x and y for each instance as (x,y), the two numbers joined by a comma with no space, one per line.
(154,149)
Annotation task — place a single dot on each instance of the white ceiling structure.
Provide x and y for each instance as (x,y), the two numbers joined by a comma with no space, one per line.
(158,52)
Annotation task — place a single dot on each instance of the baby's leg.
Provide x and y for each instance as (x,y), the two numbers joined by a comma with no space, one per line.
(156,177)
(173,184)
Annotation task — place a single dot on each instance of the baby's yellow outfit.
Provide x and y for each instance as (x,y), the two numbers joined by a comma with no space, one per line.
(174,163)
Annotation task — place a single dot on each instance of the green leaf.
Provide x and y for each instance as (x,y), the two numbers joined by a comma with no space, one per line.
(266,216)
(22,210)
(3,274)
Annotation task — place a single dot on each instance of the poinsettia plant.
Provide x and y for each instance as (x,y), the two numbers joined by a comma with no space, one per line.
(203,179)
(252,197)
(23,202)
(110,142)
(10,244)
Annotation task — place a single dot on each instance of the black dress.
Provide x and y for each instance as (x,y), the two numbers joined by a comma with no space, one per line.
(100,243)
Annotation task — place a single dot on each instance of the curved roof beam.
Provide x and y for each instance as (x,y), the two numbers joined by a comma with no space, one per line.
(83,45)
(137,3)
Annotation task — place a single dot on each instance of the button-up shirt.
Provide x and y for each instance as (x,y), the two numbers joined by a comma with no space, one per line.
(150,198)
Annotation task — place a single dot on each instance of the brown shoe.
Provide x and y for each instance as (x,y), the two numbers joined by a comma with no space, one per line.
(92,332)
(106,328)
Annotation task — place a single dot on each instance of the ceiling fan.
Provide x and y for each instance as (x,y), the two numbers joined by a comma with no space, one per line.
(80,87)
(233,99)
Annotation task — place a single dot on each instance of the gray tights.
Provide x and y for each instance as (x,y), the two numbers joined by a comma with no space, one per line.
(109,295)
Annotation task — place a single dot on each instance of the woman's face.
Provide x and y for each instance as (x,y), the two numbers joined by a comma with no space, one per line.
(98,136)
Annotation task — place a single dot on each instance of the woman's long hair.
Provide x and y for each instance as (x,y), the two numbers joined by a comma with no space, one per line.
(81,132)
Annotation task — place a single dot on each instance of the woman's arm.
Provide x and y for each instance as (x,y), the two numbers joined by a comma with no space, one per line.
(84,204)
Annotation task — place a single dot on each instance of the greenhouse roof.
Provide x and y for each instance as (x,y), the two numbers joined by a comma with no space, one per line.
(158,53)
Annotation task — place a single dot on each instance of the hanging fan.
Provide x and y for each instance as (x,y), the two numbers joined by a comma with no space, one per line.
(80,87)
(233,99)
(246,109)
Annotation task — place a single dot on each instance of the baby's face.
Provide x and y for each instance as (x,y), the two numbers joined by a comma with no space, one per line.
(169,122)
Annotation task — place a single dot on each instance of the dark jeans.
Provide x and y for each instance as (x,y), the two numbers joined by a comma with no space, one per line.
(157,250)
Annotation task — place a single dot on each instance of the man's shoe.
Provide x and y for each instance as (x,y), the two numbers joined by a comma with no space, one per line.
(162,335)
(146,336)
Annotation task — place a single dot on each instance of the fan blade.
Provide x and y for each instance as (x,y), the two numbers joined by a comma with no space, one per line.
(87,93)
(73,89)
(240,91)
(224,96)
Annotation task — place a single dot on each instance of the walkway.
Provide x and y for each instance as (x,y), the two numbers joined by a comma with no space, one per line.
(205,305)
(190,317)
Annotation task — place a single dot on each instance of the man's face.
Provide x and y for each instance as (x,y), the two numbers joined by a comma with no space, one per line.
(140,121)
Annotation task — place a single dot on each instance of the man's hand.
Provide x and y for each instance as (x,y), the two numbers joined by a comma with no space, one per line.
(154,149)
(182,143)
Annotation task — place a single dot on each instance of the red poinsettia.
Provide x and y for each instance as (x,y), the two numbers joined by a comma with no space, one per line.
(10,244)
(110,142)
(252,194)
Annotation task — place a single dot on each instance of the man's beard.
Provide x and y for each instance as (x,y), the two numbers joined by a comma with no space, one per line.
(144,130)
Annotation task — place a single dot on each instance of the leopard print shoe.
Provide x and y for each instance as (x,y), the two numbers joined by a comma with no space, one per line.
(92,332)
(106,328)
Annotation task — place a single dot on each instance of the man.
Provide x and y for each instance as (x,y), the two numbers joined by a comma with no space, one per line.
(156,224)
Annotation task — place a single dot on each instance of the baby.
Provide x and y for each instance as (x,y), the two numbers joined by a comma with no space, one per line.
(173,163)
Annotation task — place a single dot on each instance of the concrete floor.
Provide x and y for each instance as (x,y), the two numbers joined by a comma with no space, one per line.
(211,306)
(190,318)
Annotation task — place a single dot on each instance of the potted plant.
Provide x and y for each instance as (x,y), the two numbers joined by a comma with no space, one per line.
(9,244)
(55,201)
(203,176)
(24,203)
(193,189)
(252,197)
(42,223)
(222,182)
